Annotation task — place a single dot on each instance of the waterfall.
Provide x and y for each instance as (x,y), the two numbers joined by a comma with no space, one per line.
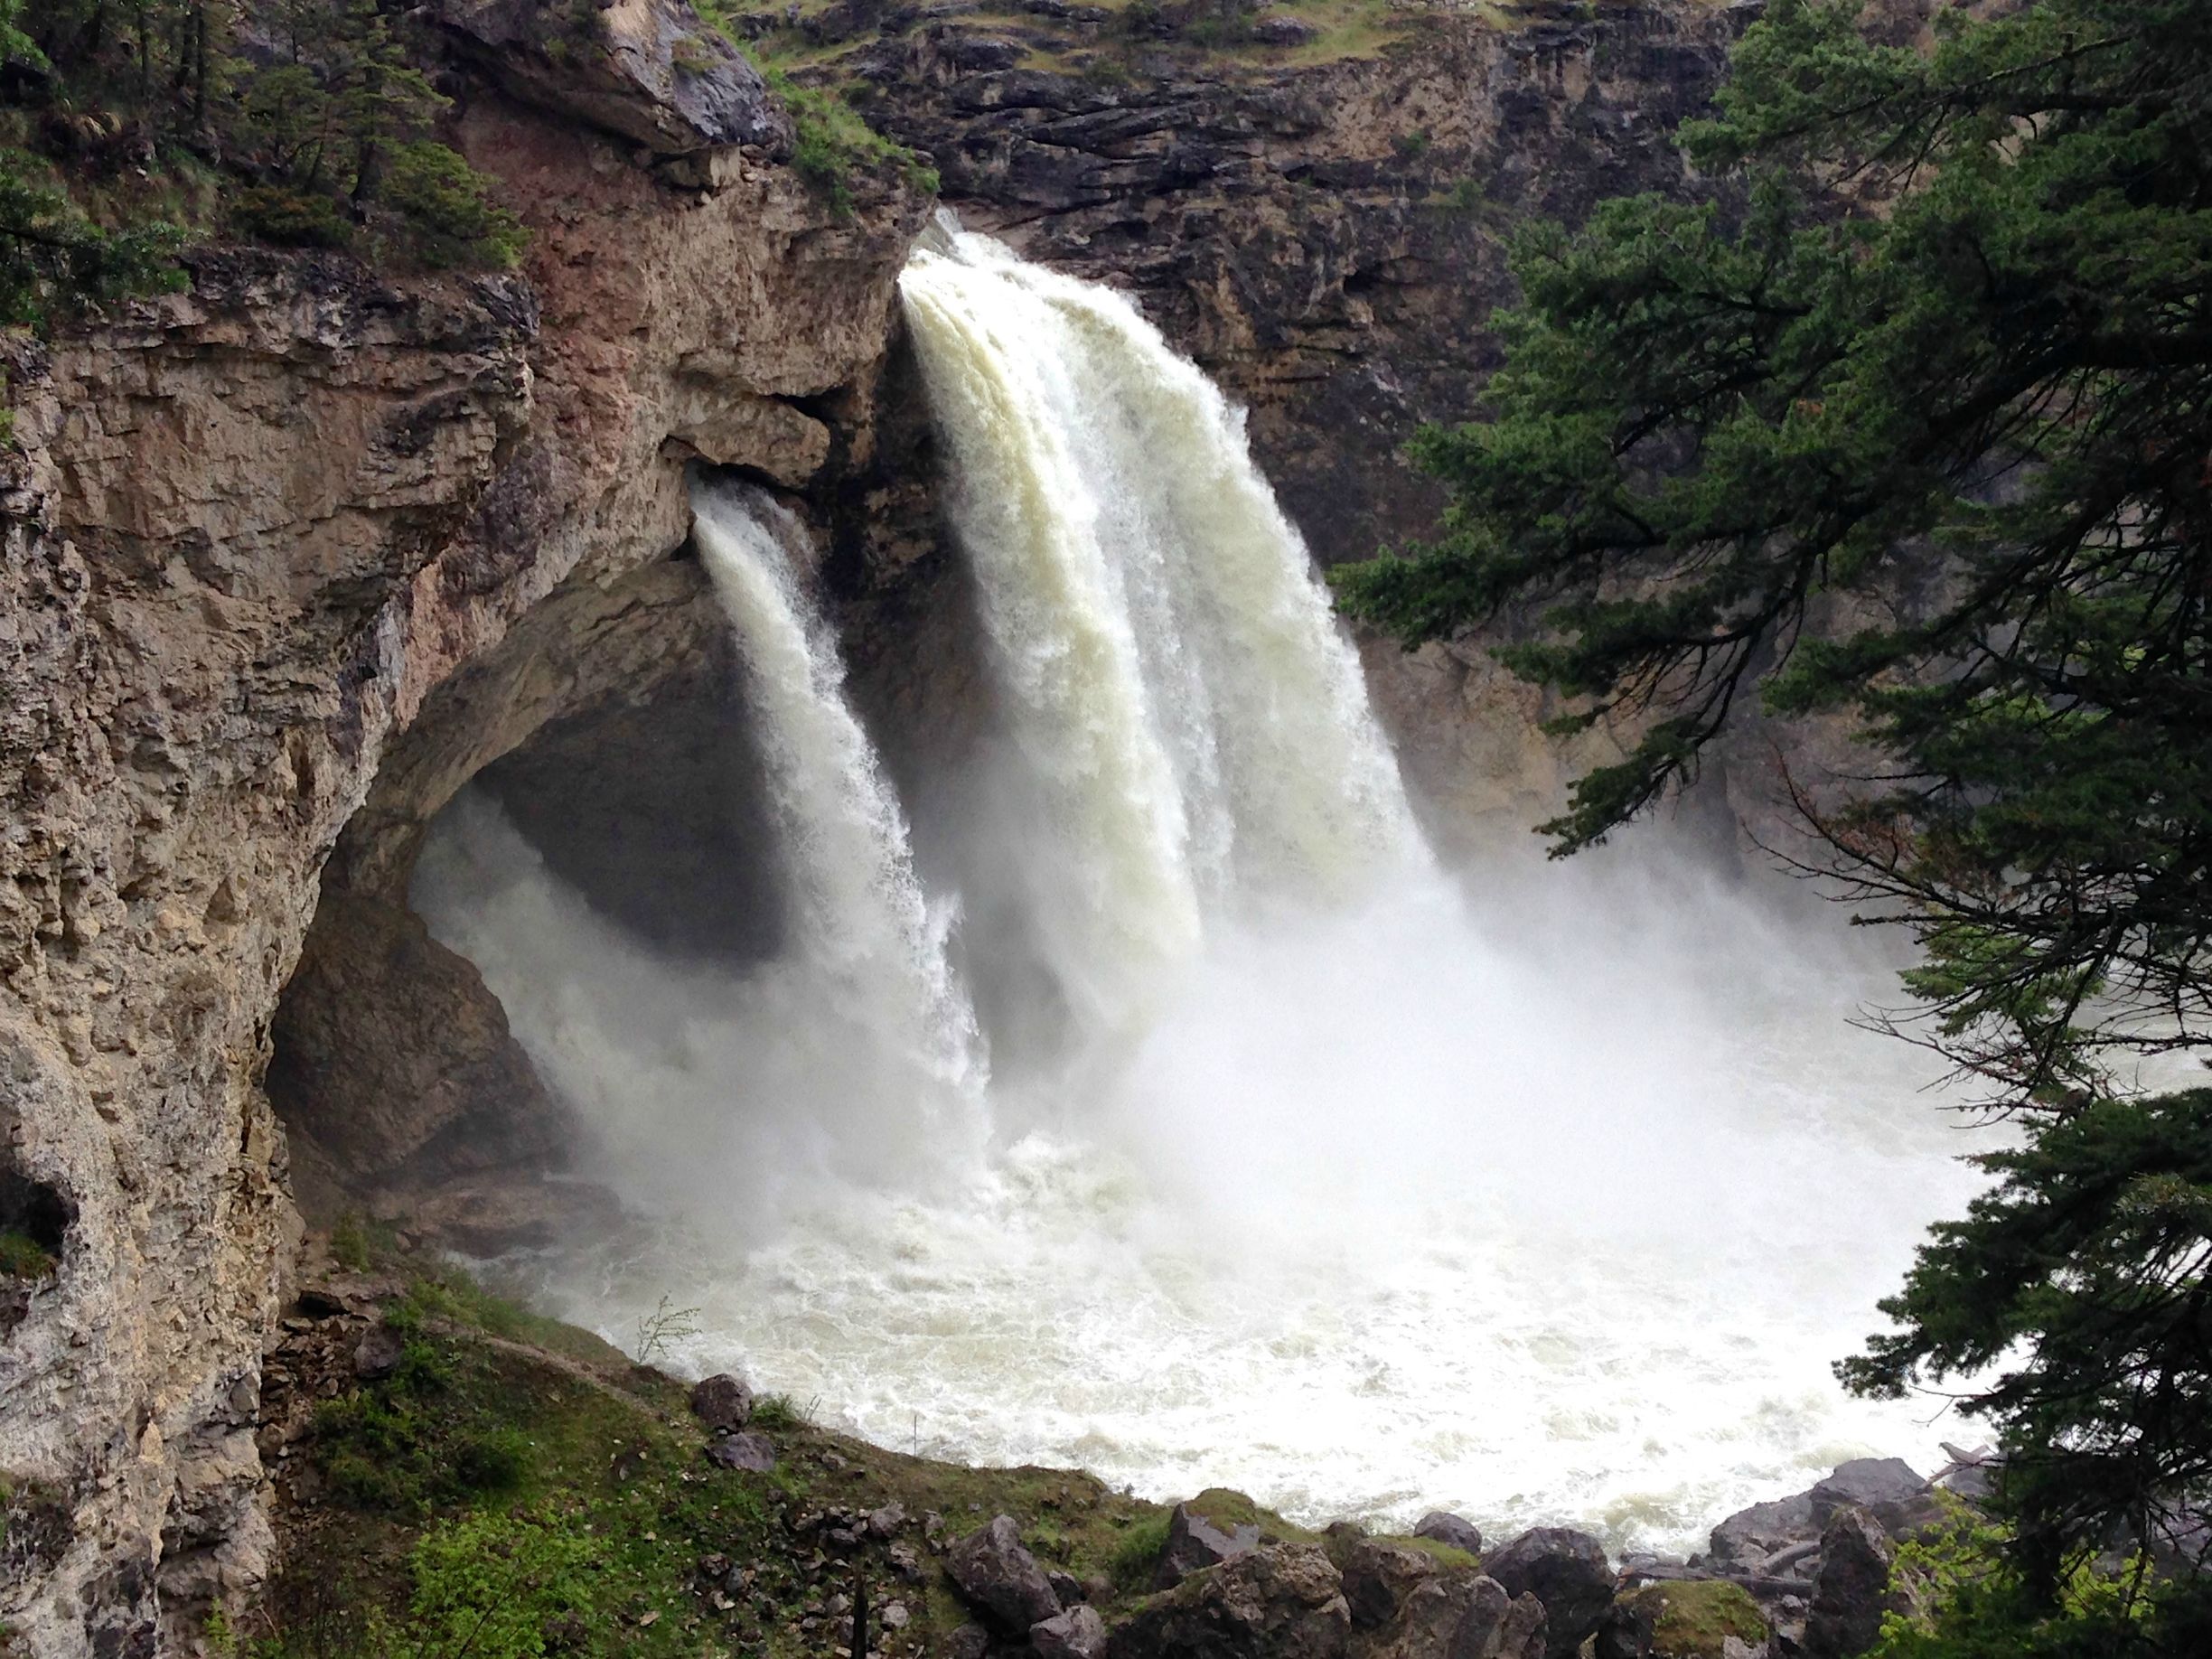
(861,922)
(721,1094)
(1322,1174)
(1177,683)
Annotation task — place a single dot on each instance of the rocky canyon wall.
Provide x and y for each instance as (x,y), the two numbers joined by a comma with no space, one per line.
(290,558)
(1328,240)
(302,549)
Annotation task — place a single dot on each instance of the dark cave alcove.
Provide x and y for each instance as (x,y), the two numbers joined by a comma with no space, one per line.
(610,729)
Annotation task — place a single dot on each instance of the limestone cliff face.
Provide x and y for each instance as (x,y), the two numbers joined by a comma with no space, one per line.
(254,535)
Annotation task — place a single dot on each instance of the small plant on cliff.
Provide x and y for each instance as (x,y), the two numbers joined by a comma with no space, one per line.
(1138,1555)
(830,140)
(349,1244)
(779,1412)
(24,1257)
(320,136)
(667,1324)
(448,208)
(494,1585)
(55,263)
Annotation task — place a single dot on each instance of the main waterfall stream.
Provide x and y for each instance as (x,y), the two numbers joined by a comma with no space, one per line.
(1280,1158)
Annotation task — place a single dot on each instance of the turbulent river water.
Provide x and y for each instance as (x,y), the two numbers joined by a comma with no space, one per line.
(1280,1157)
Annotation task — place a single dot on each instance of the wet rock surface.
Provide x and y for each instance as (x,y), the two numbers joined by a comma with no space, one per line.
(1195,1542)
(1567,1571)
(724,1402)
(1080,1632)
(1378,1578)
(1277,1601)
(1851,1591)
(753,1453)
(1449,1529)
(999,1577)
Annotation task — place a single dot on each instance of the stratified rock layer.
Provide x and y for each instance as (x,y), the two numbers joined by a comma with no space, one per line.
(255,534)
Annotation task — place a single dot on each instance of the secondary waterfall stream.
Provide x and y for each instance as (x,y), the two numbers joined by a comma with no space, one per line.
(1360,1184)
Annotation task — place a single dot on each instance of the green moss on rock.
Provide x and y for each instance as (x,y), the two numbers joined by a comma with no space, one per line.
(1449,1557)
(1691,1620)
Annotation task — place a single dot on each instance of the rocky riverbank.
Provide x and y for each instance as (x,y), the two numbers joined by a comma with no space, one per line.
(414,1422)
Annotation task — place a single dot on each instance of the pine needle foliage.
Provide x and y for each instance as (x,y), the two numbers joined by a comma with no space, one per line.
(1910,420)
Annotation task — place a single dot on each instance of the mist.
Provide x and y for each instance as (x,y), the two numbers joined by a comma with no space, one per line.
(1546,1193)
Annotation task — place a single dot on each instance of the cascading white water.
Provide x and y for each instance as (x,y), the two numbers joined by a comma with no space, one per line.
(862,920)
(1358,1187)
(1082,444)
(715,1090)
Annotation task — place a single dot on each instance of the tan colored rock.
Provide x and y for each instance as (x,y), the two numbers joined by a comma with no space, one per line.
(253,532)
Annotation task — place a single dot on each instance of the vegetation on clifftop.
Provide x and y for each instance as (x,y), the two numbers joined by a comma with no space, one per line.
(1959,301)
(302,122)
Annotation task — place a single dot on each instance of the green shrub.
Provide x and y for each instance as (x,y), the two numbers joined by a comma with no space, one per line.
(290,219)
(774,1411)
(55,263)
(24,1257)
(446,206)
(424,1368)
(349,1244)
(1972,1603)
(493,1586)
(690,56)
(494,1460)
(1137,1553)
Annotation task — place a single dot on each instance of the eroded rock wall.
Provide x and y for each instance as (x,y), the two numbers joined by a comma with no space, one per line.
(1328,241)
(257,533)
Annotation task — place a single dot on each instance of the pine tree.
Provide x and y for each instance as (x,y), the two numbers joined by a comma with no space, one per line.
(1949,309)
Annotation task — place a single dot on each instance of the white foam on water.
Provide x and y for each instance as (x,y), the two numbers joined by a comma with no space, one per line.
(1544,1193)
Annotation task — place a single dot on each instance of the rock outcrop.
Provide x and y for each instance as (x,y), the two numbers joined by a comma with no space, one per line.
(1564,1569)
(260,538)
(1001,1579)
(1279,1601)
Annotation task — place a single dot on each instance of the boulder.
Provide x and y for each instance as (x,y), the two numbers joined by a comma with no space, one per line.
(1195,1543)
(1275,1601)
(1697,1620)
(1001,1579)
(1751,1536)
(1449,1529)
(1462,1616)
(722,1402)
(378,1354)
(1887,1488)
(969,1642)
(647,71)
(1070,1589)
(1077,1634)
(1378,1577)
(753,1453)
(1851,1591)
(1283,32)
(1564,1569)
